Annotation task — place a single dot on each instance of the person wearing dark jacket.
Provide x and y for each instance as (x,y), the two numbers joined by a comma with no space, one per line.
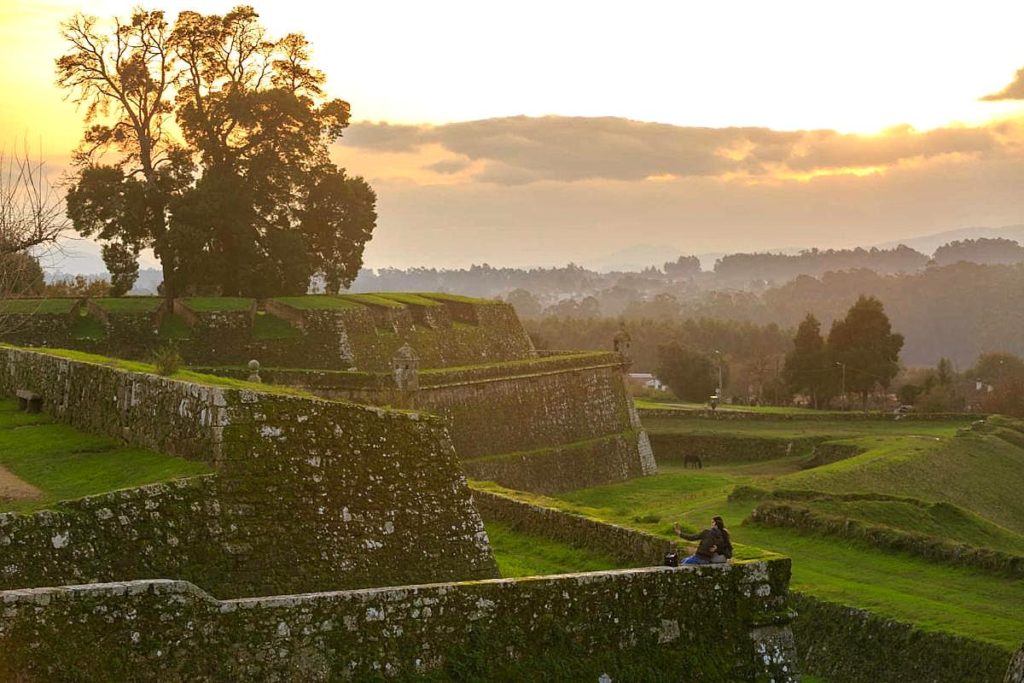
(715,544)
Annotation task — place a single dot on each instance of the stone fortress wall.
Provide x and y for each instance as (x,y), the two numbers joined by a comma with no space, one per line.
(326,332)
(311,503)
(723,623)
(547,424)
(540,422)
(307,494)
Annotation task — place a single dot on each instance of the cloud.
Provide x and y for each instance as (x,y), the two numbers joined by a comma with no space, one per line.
(385,137)
(532,191)
(448,166)
(1014,91)
(520,150)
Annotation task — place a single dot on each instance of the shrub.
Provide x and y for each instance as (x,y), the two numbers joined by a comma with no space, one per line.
(167,360)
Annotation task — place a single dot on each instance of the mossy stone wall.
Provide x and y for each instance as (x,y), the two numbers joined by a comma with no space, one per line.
(626,545)
(1015,672)
(592,462)
(355,333)
(716,624)
(847,645)
(526,411)
(331,495)
(673,447)
(545,424)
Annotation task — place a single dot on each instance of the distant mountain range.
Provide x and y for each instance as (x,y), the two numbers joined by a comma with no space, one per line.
(929,243)
(83,256)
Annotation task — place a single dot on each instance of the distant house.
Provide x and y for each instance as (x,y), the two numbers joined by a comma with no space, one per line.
(646,380)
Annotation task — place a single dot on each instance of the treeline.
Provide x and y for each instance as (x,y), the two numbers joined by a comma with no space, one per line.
(779,268)
(613,291)
(958,311)
(751,355)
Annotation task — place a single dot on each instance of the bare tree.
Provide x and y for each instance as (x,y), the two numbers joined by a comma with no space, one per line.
(31,219)
(31,212)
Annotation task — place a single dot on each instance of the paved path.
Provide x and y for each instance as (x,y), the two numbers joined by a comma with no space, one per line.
(12,488)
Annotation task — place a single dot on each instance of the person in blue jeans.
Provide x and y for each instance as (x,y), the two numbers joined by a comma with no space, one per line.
(715,545)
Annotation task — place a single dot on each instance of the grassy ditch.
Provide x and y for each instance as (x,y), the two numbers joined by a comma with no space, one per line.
(522,554)
(62,463)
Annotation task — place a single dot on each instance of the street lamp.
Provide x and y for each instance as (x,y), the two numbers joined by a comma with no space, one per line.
(843,366)
(719,390)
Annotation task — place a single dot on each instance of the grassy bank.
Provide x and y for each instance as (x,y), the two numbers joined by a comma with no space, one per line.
(62,463)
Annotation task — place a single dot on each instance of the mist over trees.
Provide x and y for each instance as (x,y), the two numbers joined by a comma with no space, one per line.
(244,199)
(985,250)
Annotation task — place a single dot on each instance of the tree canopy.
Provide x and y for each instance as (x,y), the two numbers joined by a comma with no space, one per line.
(864,343)
(219,135)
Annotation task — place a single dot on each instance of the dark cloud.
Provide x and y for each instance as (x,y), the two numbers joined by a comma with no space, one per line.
(448,166)
(1014,91)
(518,150)
(385,137)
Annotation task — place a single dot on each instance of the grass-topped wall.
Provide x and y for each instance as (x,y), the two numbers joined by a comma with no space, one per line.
(318,331)
(309,494)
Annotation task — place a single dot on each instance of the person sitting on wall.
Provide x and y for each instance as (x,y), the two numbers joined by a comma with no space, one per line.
(724,551)
(712,543)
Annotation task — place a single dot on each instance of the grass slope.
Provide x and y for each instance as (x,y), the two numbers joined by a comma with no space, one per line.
(130,304)
(977,472)
(936,597)
(317,302)
(520,554)
(218,304)
(34,306)
(65,463)
(181,375)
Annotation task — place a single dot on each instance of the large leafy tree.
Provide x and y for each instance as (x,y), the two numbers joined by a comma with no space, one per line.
(865,344)
(121,189)
(246,199)
(807,365)
(690,374)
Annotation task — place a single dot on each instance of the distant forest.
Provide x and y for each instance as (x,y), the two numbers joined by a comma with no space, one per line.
(960,302)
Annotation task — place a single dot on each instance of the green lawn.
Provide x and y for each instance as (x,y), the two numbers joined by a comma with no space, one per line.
(181,375)
(33,306)
(372,300)
(64,463)
(520,554)
(317,302)
(934,596)
(218,304)
(408,298)
(684,406)
(458,298)
(130,304)
(801,428)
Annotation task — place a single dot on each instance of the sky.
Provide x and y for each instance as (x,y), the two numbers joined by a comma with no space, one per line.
(538,133)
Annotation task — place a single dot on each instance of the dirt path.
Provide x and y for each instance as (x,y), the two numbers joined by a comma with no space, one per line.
(12,488)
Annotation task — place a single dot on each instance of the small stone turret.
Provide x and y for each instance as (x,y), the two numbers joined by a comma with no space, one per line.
(622,344)
(405,366)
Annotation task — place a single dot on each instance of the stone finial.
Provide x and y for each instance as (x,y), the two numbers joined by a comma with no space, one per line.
(254,371)
(405,366)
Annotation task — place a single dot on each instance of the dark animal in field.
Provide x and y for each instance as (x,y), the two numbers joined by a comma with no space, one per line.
(693,460)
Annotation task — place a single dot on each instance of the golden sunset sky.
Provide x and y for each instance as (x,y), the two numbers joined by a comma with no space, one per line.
(535,133)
